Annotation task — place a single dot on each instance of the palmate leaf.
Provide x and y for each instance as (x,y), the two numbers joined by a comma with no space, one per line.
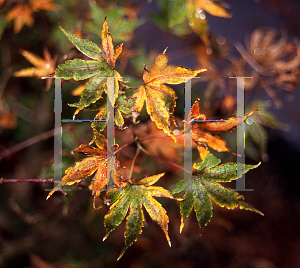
(132,198)
(96,162)
(97,70)
(41,67)
(202,129)
(159,98)
(22,12)
(204,186)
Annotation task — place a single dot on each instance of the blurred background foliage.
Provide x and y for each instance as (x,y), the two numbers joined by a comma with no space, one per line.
(257,38)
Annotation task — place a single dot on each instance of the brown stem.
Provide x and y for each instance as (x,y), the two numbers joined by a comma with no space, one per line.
(27,180)
(123,146)
(133,161)
(127,87)
(167,161)
(28,142)
(141,140)
(32,180)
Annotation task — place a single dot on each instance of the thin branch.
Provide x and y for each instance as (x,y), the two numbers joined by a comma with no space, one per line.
(27,180)
(40,137)
(143,139)
(26,143)
(167,161)
(32,180)
(133,161)
(124,145)
(127,87)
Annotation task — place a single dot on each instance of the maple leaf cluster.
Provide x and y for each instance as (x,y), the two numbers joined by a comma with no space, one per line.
(125,195)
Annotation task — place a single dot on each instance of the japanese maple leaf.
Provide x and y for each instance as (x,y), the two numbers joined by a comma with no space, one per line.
(42,67)
(159,98)
(22,13)
(201,129)
(133,197)
(98,69)
(95,162)
(204,185)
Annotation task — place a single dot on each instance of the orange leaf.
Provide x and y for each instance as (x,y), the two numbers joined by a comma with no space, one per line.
(22,15)
(220,125)
(213,141)
(83,169)
(77,91)
(8,120)
(201,129)
(108,45)
(100,180)
(203,151)
(42,67)
(96,162)
(43,4)
(212,8)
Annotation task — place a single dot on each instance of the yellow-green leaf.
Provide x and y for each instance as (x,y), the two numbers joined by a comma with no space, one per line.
(204,186)
(159,98)
(87,47)
(97,70)
(133,197)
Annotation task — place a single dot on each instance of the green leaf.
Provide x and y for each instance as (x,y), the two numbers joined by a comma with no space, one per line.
(117,212)
(78,69)
(119,120)
(93,91)
(203,186)
(124,105)
(99,126)
(120,107)
(256,123)
(121,28)
(259,136)
(172,15)
(97,70)
(133,197)
(85,46)
(134,225)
